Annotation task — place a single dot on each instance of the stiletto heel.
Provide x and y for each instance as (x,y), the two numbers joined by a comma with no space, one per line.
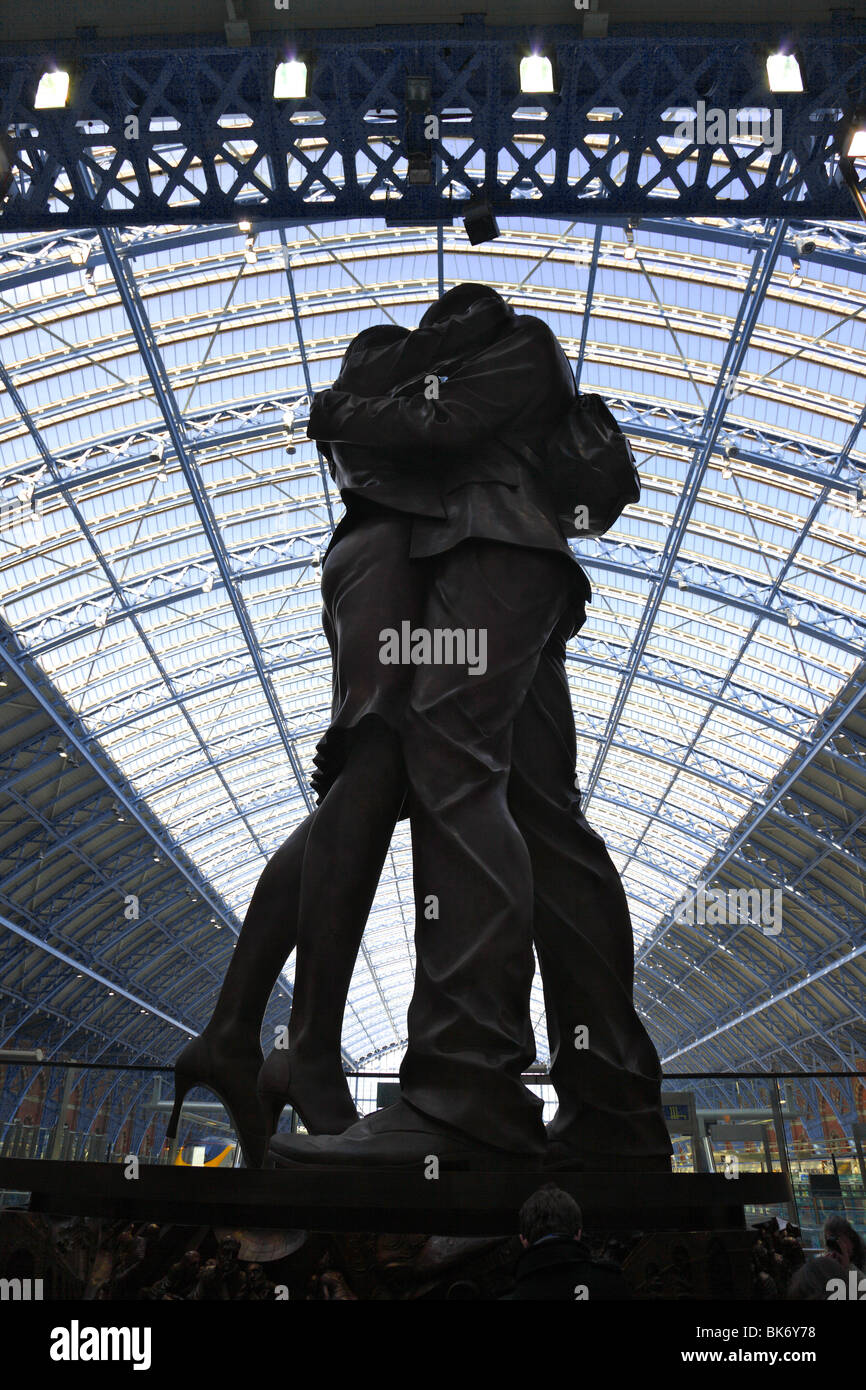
(233,1081)
(182,1084)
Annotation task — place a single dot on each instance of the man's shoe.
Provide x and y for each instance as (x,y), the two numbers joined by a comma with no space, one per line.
(397,1137)
(562,1158)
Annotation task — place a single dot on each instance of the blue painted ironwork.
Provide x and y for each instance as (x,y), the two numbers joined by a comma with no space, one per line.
(162,390)
(176,135)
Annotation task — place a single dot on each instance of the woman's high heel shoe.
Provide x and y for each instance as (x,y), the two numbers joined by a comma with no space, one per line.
(233,1080)
(323,1109)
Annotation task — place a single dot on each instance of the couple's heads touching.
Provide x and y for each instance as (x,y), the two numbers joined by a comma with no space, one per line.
(463,322)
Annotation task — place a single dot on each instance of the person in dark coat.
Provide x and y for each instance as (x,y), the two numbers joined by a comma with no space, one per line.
(556,1265)
(497,562)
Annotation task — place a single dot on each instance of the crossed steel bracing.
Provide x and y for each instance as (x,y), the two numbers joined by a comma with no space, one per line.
(162,515)
(176,134)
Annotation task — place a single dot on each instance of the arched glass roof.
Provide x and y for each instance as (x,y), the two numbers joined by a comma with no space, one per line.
(164,515)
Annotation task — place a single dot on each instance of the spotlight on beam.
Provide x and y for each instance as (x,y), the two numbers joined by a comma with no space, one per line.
(289,422)
(784,73)
(536,74)
(290,80)
(53,90)
(630,248)
(479,222)
(419,93)
(420,168)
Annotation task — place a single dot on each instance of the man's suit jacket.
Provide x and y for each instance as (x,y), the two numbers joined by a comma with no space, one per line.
(515,388)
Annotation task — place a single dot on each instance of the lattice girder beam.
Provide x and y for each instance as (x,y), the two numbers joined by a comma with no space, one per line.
(693,683)
(42,255)
(606,144)
(804,460)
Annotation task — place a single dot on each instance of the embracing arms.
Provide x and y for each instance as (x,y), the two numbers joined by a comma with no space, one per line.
(471,406)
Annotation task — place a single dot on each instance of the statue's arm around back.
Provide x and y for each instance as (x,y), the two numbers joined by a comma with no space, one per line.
(493,388)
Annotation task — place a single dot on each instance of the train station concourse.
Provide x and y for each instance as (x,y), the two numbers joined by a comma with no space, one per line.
(201,208)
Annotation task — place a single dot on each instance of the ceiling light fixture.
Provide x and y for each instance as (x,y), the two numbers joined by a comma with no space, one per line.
(53,91)
(784,73)
(855,142)
(290,80)
(479,223)
(419,93)
(536,74)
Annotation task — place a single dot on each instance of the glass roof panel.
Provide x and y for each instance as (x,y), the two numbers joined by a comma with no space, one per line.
(154,567)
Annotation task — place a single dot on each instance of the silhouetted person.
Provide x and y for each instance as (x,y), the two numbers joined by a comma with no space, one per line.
(844,1243)
(812,1281)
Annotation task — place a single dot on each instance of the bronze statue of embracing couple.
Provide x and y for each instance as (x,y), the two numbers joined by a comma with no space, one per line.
(450,532)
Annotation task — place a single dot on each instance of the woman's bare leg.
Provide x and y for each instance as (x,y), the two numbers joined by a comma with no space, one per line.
(267,939)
